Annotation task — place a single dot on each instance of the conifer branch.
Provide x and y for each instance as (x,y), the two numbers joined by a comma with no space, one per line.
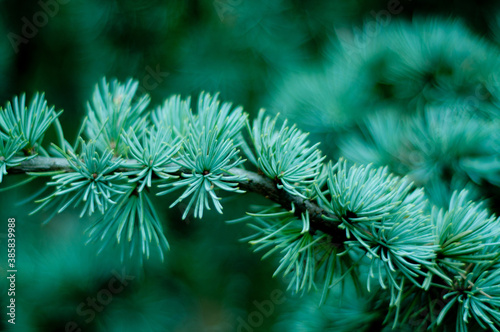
(253,182)
(328,220)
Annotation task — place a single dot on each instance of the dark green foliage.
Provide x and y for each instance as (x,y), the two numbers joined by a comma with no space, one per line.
(387,222)
(405,107)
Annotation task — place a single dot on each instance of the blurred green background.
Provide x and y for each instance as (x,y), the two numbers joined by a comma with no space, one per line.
(325,65)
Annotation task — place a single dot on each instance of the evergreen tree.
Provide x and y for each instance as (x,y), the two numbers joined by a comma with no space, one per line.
(373,191)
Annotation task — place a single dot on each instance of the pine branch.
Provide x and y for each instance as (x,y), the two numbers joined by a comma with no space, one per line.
(336,215)
(266,187)
(41,164)
(254,183)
